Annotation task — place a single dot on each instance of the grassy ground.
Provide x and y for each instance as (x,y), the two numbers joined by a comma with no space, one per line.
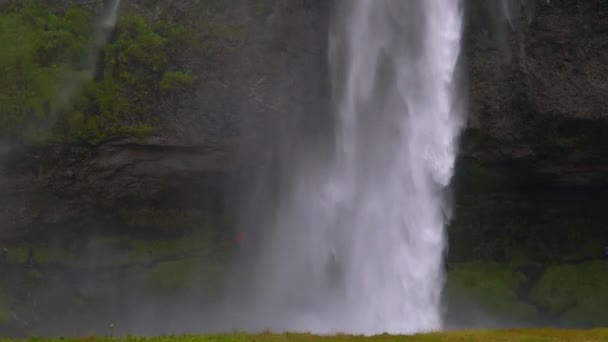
(528,335)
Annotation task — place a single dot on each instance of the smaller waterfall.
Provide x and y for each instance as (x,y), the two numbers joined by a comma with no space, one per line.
(105,27)
(110,20)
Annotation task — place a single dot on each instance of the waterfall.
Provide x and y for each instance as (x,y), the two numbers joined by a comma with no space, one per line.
(110,20)
(356,244)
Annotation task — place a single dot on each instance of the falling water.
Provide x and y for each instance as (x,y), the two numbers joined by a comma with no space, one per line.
(110,20)
(357,244)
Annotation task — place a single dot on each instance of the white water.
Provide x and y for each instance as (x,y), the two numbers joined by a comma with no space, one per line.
(110,19)
(357,245)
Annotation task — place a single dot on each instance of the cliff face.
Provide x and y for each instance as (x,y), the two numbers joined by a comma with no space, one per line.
(537,92)
(533,157)
(251,62)
(536,104)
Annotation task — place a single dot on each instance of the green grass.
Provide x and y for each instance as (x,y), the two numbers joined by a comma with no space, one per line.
(528,335)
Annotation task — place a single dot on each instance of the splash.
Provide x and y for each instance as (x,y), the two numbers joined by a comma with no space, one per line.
(356,245)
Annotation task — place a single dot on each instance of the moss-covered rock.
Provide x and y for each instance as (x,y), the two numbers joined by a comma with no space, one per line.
(201,277)
(490,287)
(39,255)
(576,293)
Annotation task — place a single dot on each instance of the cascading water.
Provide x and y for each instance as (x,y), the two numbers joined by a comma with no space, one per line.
(110,20)
(357,243)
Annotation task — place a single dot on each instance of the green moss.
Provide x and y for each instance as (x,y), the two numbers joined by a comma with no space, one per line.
(46,93)
(577,293)
(491,286)
(135,64)
(39,48)
(42,255)
(174,278)
(175,81)
(584,250)
(51,254)
(179,233)
(170,277)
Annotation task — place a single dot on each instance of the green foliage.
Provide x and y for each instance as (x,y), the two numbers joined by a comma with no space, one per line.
(492,286)
(47,92)
(174,278)
(38,47)
(122,101)
(578,293)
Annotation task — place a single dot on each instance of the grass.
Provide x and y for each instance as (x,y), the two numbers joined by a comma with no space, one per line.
(527,335)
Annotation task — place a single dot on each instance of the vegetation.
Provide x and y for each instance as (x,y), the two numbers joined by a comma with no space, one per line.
(39,47)
(567,294)
(175,81)
(578,293)
(50,89)
(492,287)
(481,335)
